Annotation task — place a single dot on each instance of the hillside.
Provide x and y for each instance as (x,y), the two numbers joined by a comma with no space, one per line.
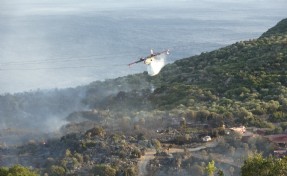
(108,125)
(279,29)
(245,77)
(245,82)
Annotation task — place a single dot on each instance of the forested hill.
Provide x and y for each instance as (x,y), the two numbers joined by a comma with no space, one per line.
(253,65)
(279,29)
(245,82)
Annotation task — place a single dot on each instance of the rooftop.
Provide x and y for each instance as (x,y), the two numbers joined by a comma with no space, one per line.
(278,138)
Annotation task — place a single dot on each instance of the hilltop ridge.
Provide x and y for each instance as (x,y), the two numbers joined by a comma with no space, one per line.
(279,29)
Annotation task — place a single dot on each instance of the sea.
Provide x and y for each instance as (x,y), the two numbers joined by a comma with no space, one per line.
(48,44)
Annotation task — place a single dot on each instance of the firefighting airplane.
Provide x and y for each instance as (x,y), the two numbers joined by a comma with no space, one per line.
(147,60)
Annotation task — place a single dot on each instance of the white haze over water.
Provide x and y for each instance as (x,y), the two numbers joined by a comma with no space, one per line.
(64,43)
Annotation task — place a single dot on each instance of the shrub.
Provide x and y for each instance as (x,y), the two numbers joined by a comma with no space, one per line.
(17,170)
(257,165)
(104,170)
(56,170)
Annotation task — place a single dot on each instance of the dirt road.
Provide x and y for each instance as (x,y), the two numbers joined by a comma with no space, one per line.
(143,161)
(149,155)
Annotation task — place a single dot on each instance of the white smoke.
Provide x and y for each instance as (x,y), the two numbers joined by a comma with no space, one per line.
(53,124)
(156,65)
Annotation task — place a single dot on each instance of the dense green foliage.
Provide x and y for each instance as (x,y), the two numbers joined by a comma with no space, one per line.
(257,165)
(210,168)
(104,170)
(279,29)
(56,170)
(247,80)
(17,170)
(243,83)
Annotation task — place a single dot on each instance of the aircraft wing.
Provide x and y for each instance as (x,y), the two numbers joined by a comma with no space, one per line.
(149,57)
(141,60)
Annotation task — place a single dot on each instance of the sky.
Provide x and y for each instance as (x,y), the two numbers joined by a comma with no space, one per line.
(48,44)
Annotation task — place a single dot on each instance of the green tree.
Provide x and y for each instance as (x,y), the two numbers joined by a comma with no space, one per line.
(104,170)
(56,170)
(4,171)
(258,165)
(157,145)
(131,171)
(68,153)
(210,168)
(17,170)
(96,131)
